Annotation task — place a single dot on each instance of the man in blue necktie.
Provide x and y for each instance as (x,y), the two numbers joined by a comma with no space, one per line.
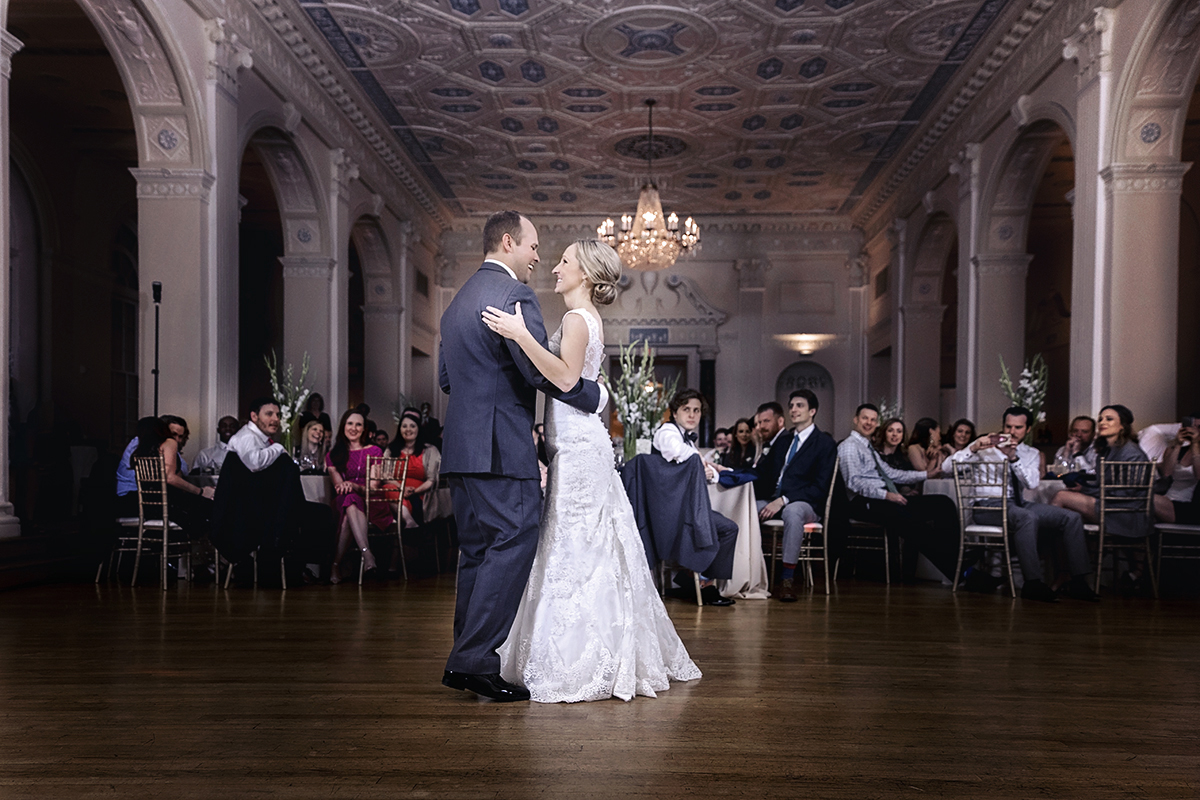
(804,460)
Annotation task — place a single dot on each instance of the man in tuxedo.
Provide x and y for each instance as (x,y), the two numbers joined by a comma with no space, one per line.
(803,460)
(489,456)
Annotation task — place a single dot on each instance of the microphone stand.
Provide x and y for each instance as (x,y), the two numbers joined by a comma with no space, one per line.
(157,289)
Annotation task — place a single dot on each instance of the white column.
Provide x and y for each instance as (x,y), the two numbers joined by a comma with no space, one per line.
(9,45)
(173,248)
(337,353)
(966,166)
(1000,328)
(859,306)
(752,287)
(381,373)
(897,238)
(1090,47)
(226,58)
(921,345)
(1141,301)
(307,286)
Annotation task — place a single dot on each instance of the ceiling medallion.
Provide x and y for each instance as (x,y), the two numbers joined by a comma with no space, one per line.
(647,241)
(650,37)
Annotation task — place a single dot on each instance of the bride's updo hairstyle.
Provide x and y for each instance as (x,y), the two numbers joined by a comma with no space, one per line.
(601,266)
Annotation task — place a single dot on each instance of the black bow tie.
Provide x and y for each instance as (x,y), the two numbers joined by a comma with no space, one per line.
(690,436)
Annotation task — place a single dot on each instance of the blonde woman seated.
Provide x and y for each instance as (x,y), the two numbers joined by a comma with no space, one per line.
(310,455)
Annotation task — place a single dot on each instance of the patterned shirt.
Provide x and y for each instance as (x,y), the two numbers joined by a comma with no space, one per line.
(861,465)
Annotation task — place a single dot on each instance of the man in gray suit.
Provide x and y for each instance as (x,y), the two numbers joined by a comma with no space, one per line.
(489,454)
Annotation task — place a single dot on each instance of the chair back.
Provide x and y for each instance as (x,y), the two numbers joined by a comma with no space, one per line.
(833,481)
(382,470)
(978,481)
(151,475)
(1126,487)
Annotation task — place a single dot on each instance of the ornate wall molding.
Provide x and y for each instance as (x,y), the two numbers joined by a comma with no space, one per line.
(308,267)
(1011,264)
(9,45)
(1144,178)
(226,56)
(1090,47)
(648,302)
(281,49)
(172,184)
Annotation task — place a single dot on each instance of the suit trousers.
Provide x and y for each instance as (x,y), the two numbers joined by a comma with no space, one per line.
(721,567)
(928,524)
(795,516)
(497,520)
(1027,521)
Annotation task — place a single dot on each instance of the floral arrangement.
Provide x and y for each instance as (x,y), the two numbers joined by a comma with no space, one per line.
(640,400)
(889,410)
(291,395)
(1030,391)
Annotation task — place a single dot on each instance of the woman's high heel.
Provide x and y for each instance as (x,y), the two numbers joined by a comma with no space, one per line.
(368,557)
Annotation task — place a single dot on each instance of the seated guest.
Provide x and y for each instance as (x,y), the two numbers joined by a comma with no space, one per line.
(889,440)
(310,455)
(743,450)
(675,441)
(960,435)
(314,410)
(127,482)
(1115,441)
(188,505)
(347,465)
(928,524)
(418,466)
(768,429)
(211,459)
(1180,503)
(805,461)
(925,445)
(722,437)
(1078,454)
(381,439)
(178,428)
(260,500)
(1026,520)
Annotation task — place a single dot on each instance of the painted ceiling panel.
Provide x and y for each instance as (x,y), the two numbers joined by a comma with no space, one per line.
(791,106)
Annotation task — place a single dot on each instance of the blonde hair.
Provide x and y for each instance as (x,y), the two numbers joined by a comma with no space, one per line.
(602,266)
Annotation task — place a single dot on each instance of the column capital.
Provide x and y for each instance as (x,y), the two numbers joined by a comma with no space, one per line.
(345,171)
(445,272)
(709,353)
(965,166)
(1013,264)
(1145,178)
(311,267)
(9,45)
(172,184)
(752,274)
(1090,46)
(857,265)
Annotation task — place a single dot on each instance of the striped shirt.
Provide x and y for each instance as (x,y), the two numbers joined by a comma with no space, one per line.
(861,465)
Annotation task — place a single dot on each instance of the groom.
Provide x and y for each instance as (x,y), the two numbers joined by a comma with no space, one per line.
(489,455)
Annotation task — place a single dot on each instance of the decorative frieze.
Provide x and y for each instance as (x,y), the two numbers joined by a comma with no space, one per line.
(226,56)
(172,184)
(308,267)
(1015,265)
(1090,47)
(1144,178)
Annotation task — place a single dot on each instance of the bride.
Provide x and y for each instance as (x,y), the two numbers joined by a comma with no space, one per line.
(591,624)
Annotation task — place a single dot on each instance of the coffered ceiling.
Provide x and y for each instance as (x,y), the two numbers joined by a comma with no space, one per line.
(763,106)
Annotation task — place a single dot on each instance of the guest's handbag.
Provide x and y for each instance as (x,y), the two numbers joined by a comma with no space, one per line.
(736,477)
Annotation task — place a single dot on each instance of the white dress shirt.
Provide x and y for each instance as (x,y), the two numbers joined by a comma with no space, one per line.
(254,448)
(669,441)
(212,458)
(1026,468)
(507,268)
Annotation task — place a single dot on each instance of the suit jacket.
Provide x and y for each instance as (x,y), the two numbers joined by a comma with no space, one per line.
(807,475)
(768,466)
(256,508)
(673,513)
(492,384)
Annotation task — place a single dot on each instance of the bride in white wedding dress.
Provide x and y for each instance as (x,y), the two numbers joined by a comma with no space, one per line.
(591,624)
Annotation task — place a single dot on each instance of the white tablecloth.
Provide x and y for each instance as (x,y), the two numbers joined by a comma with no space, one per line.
(1044,492)
(749,581)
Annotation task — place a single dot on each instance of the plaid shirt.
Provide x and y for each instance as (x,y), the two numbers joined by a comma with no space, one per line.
(861,465)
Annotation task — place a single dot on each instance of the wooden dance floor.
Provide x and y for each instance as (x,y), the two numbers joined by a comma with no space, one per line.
(333,692)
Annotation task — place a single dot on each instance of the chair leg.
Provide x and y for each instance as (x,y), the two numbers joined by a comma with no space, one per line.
(887,561)
(696,580)
(825,561)
(1012,584)
(282,573)
(163,563)
(228,575)
(254,558)
(836,565)
(1100,558)
(962,546)
(137,560)
(1150,568)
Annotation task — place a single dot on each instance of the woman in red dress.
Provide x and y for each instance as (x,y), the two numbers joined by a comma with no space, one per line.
(347,464)
(417,465)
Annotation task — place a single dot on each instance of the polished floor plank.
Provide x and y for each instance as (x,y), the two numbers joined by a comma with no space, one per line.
(333,692)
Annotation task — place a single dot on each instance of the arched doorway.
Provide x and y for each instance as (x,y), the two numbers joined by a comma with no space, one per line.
(260,279)
(931,322)
(356,344)
(74,314)
(1187,400)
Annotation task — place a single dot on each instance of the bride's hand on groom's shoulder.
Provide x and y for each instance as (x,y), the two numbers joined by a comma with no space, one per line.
(510,326)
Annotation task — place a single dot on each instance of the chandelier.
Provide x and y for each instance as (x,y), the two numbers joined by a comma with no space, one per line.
(647,241)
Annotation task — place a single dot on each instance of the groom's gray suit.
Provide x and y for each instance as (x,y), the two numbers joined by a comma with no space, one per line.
(491,461)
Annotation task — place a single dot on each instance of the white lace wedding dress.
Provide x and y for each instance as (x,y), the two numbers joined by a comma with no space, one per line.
(591,624)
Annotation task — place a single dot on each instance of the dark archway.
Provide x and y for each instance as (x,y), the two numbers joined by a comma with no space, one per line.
(1187,400)
(356,359)
(260,279)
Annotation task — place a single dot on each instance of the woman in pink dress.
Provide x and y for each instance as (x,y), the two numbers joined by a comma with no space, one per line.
(347,463)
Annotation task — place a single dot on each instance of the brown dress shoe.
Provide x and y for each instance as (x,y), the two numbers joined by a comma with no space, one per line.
(787,592)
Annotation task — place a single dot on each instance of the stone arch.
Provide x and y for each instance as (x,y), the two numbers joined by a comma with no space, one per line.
(162,93)
(923,309)
(297,193)
(933,247)
(375,257)
(1156,86)
(1008,199)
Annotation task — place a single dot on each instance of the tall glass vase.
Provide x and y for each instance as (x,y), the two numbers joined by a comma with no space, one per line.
(631,439)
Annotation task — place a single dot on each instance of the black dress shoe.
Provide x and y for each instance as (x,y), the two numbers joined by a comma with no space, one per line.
(1037,590)
(491,686)
(711,597)
(1078,589)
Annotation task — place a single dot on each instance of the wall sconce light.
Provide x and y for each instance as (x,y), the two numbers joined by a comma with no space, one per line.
(807,343)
